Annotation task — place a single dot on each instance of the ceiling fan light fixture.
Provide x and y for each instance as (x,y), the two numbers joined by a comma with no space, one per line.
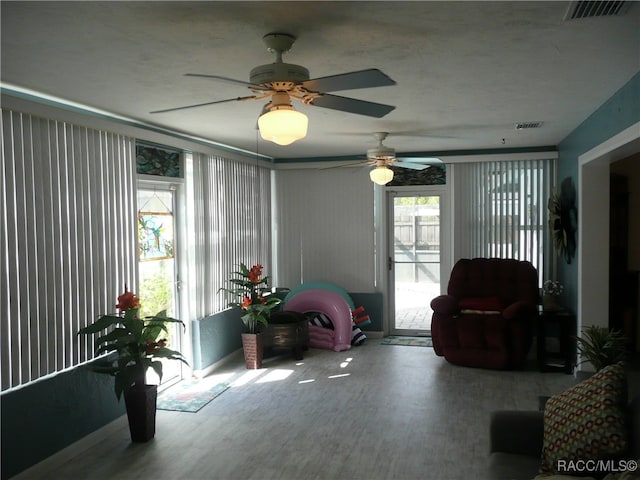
(283,125)
(381,175)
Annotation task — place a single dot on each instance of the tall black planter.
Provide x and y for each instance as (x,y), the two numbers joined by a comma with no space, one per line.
(141,412)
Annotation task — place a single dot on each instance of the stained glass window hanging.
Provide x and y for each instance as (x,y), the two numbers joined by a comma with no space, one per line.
(155,235)
(155,227)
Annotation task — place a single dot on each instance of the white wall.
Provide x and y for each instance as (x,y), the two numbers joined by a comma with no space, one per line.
(325,228)
(630,168)
(594,212)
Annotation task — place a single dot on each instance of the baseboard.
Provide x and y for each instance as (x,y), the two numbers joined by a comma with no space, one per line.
(238,356)
(234,356)
(374,334)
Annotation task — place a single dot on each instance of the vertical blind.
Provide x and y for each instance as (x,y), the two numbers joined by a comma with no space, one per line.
(68,240)
(325,228)
(501,211)
(232,224)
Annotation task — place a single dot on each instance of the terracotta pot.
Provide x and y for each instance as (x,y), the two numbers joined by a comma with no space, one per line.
(141,412)
(253,345)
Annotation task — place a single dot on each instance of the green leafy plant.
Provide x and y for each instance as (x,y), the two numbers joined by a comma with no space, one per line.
(156,287)
(135,341)
(601,346)
(252,292)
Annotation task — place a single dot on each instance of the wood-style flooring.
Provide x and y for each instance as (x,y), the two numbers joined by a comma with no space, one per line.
(373,412)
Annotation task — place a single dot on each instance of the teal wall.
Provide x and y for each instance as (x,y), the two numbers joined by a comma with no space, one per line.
(214,337)
(372,303)
(52,413)
(618,113)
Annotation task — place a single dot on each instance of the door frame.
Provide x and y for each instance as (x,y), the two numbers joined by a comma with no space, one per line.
(593,226)
(446,245)
(177,186)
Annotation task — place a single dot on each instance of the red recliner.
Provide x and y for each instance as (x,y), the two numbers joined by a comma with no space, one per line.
(487,318)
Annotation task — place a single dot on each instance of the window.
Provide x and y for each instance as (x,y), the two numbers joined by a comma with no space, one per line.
(501,211)
(231,222)
(68,240)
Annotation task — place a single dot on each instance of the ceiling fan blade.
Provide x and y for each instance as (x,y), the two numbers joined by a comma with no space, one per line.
(237,99)
(352,105)
(227,80)
(412,166)
(342,165)
(427,160)
(349,81)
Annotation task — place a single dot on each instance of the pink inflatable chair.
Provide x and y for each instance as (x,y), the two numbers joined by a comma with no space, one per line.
(333,306)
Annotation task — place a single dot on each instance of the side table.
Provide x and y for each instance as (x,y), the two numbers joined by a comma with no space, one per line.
(558,324)
(288,331)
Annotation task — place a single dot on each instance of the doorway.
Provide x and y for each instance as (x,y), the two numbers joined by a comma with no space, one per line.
(593,225)
(415,258)
(158,267)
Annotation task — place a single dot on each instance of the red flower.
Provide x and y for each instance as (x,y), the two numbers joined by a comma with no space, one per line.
(127,301)
(246,301)
(152,346)
(255,273)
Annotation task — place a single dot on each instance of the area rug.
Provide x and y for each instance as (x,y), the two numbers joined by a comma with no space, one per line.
(189,396)
(408,341)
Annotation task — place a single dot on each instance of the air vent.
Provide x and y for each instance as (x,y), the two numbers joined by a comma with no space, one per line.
(525,125)
(588,9)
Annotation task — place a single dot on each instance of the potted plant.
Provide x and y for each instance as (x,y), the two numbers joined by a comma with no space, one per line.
(137,345)
(252,294)
(601,346)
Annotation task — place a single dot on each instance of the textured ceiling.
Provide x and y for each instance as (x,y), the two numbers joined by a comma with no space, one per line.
(466,72)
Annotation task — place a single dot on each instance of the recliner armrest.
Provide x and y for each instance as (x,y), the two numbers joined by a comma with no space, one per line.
(518,308)
(445,305)
(519,432)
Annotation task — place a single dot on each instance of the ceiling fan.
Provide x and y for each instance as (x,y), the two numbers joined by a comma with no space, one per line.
(383,157)
(283,82)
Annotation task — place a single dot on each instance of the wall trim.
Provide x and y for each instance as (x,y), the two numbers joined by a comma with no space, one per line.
(623,140)
(357,161)
(24,100)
